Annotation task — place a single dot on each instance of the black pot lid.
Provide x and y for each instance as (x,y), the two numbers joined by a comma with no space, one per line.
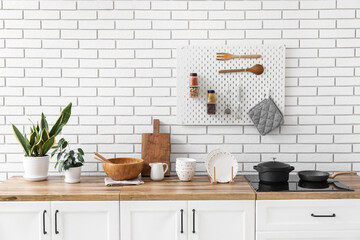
(273,166)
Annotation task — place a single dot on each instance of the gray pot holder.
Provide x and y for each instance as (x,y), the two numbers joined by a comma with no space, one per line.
(266,116)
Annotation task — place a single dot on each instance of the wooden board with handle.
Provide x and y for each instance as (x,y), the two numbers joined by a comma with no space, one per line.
(155,148)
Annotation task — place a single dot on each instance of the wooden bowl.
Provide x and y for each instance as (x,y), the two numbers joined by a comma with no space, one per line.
(123,168)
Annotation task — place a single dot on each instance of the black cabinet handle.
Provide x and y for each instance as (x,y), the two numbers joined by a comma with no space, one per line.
(56,226)
(44,228)
(193,231)
(332,215)
(182,221)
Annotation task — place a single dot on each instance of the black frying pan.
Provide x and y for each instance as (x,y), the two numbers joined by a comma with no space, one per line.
(319,176)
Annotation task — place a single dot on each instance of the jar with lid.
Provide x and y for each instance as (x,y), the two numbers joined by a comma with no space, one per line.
(193,85)
(211,102)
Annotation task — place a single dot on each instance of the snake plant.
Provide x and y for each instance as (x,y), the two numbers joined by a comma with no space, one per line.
(42,139)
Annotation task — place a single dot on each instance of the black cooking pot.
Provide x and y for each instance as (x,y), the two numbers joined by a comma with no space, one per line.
(273,171)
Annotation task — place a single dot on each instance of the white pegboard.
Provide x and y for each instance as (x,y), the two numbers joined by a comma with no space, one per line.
(202,60)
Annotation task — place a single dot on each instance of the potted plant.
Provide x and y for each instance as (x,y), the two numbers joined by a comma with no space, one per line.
(41,140)
(69,161)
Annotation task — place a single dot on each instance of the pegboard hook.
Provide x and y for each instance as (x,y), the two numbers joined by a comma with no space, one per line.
(268,93)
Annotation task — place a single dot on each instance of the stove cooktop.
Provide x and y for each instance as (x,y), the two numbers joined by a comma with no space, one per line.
(296,185)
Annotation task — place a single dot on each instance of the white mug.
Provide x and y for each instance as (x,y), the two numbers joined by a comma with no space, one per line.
(157,171)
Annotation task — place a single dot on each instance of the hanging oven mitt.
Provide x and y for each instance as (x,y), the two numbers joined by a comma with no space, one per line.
(266,116)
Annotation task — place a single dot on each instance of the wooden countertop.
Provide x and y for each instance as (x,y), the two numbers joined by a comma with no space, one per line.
(349,180)
(55,189)
(198,189)
(94,189)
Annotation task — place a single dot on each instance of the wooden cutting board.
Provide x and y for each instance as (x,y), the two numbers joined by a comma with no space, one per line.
(155,148)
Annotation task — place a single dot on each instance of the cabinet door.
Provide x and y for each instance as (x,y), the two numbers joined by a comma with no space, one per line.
(90,220)
(308,215)
(309,235)
(25,220)
(160,220)
(214,220)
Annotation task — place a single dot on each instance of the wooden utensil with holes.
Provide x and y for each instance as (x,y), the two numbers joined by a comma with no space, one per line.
(155,148)
(228,56)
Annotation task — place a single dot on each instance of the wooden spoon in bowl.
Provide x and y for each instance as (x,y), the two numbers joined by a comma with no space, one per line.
(96,158)
(102,158)
(257,69)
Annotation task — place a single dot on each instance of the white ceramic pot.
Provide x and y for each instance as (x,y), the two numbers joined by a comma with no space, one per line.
(185,175)
(186,162)
(72,175)
(185,168)
(36,168)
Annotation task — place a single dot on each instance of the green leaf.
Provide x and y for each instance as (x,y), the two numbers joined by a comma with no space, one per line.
(43,122)
(56,127)
(22,140)
(44,135)
(62,120)
(34,150)
(64,145)
(59,156)
(80,158)
(53,153)
(61,141)
(37,127)
(32,138)
(81,151)
(39,147)
(71,153)
(66,112)
(48,145)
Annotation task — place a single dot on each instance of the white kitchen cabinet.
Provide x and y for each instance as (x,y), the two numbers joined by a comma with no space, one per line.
(309,235)
(214,220)
(25,220)
(324,219)
(90,220)
(307,215)
(153,220)
(174,220)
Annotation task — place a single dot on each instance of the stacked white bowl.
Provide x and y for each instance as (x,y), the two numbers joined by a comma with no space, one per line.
(185,168)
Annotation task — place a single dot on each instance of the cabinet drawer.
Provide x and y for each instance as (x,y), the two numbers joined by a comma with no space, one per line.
(304,215)
(311,235)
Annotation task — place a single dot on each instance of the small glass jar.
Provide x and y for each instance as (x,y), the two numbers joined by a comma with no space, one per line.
(211,102)
(211,96)
(194,91)
(211,108)
(193,80)
(193,85)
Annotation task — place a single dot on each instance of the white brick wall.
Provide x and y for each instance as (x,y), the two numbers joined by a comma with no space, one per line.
(116,60)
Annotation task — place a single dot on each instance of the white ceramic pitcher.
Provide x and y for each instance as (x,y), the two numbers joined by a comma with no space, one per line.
(157,171)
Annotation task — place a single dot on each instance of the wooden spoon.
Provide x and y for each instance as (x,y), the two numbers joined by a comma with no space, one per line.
(102,158)
(257,69)
(99,159)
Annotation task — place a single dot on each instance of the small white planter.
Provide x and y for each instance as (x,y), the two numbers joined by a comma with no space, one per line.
(36,168)
(72,175)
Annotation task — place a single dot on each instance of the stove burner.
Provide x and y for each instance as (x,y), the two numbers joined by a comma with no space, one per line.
(314,185)
(296,185)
